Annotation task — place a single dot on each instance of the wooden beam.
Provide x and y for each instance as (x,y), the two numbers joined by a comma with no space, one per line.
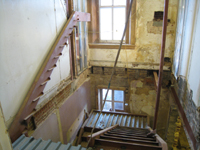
(156,79)
(110,46)
(161,62)
(121,113)
(36,89)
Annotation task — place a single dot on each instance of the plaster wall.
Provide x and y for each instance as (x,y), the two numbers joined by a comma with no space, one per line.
(148,42)
(194,69)
(5,142)
(28,30)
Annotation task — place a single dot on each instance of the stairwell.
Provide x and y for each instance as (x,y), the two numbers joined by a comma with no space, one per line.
(119,131)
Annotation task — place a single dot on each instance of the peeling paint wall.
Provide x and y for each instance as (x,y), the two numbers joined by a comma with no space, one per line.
(143,100)
(146,53)
(28,30)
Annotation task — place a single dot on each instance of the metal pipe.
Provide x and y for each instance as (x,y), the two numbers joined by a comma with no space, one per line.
(161,62)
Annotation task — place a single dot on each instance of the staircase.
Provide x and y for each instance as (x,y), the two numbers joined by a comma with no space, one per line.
(29,143)
(119,131)
(127,138)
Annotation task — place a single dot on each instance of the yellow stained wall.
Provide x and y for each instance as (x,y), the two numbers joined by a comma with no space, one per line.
(148,39)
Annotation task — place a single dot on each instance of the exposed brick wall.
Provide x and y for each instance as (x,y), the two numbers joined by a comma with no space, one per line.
(48,108)
(97,70)
(107,70)
(64,92)
(191,111)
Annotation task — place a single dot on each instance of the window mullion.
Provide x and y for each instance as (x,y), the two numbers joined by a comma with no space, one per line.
(113,100)
(101,99)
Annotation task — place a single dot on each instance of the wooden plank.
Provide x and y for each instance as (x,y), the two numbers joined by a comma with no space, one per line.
(129,131)
(126,145)
(155,79)
(97,134)
(121,113)
(139,141)
(130,137)
(110,46)
(81,133)
(126,134)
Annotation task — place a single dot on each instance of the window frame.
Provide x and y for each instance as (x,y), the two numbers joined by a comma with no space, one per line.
(93,28)
(112,7)
(113,101)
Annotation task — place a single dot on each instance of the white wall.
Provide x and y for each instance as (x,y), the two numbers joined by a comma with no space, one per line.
(194,64)
(148,45)
(27,31)
(188,59)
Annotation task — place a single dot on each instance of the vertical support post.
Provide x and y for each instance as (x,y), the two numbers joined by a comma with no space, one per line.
(71,42)
(161,62)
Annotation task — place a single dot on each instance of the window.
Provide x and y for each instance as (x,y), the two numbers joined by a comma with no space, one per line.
(112,19)
(114,100)
(107,24)
(80,38)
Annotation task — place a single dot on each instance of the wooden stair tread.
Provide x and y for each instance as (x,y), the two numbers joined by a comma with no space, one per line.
(144,133)
(117,143)
(130,140)
(131,137)
(136,135)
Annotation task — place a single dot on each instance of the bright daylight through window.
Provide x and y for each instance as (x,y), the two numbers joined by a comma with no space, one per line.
(112,19)
(114,100)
